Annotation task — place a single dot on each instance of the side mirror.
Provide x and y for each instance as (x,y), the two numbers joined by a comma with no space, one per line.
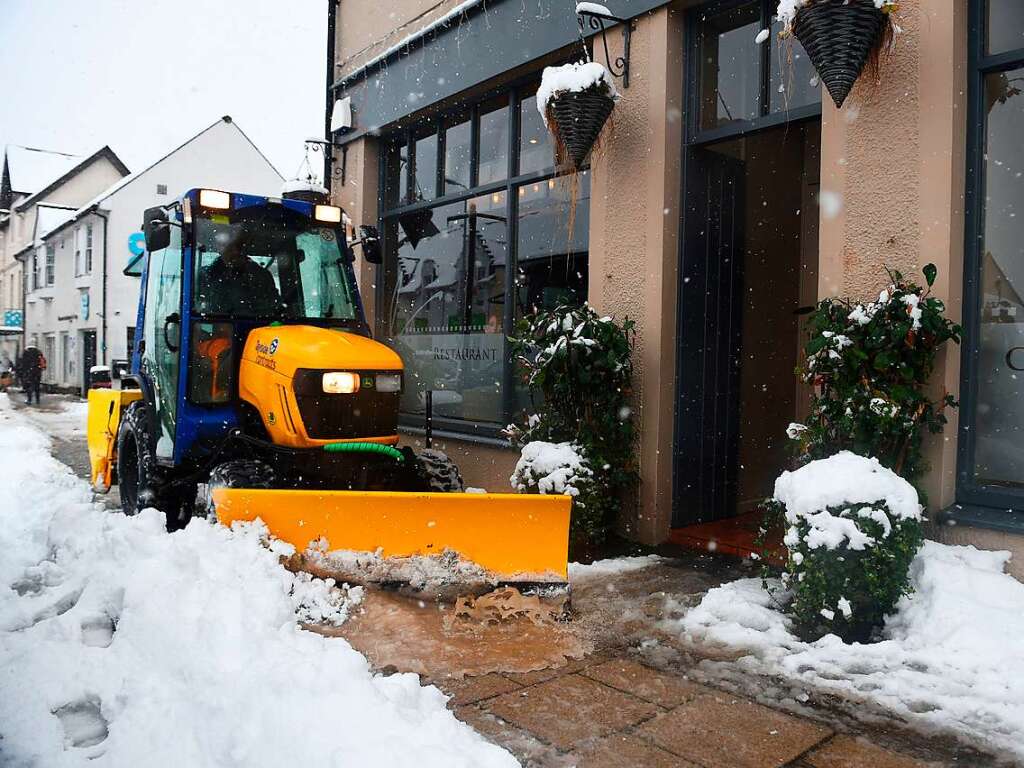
(370,240)
(157,229)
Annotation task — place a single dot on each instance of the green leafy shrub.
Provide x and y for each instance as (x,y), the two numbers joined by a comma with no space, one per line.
(870,365)
(852,530)
(577,367)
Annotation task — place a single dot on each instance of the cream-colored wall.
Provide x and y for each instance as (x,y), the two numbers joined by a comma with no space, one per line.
(634,226)
(895,158)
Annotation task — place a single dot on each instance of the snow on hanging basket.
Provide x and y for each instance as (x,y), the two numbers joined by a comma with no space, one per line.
(840,37)
(575,101)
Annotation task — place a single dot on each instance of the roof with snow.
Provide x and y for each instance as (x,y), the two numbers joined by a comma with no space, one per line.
(131,177)
(77,167)
(51,217)
(31,169)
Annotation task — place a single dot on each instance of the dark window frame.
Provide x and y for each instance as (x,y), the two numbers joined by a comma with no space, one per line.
(975,504)
(693,134)
(486,432)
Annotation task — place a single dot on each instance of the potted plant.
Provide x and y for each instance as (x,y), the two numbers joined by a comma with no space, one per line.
(575,101)
(840,37)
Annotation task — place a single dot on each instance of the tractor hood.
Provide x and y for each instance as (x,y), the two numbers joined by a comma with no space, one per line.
(286,348)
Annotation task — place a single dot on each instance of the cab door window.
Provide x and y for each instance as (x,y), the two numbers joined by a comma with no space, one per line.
(162,336)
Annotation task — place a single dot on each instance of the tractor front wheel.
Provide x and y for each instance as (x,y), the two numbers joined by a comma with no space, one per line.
(239,473)
(140,481)
(440,472)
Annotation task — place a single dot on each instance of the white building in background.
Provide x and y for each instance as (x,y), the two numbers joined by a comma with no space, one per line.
(82,276)
(39,189)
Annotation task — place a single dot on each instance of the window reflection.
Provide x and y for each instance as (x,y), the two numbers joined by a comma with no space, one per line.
(730,88)
(457,153)
(552,245)
(794,82)
(426,168)
(396,169)
(493,142)
(536,152)
(999,411)
(448,307)
(1004,25)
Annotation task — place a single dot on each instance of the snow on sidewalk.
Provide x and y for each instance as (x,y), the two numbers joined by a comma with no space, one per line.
(952,657)
(121,645)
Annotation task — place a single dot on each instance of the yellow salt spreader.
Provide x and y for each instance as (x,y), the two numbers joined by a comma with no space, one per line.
(254,374)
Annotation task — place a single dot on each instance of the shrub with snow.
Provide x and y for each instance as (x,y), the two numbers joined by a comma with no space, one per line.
(852,530)
(870,365)
(553,468)
(576,364)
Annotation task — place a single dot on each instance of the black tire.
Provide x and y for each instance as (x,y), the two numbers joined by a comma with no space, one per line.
(141,483)
(243,473)
(239,473)
(441,474)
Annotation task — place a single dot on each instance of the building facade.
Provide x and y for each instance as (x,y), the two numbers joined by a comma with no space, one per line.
(82,275)
(727,196)
(39,189)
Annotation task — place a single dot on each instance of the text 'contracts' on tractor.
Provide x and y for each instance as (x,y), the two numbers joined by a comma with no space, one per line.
(254,373)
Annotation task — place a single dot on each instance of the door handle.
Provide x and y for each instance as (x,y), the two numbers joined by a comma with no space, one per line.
(172,319)
(1009,359)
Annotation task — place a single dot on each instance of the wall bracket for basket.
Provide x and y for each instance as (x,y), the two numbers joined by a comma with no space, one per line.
(596,22)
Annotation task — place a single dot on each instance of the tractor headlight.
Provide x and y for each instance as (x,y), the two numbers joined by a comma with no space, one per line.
(341,382)
(389,382)
(213,198)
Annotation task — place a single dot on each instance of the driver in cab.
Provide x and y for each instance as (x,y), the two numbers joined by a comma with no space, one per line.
(235,285)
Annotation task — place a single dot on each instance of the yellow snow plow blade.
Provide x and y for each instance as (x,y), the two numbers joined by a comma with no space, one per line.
(515,537)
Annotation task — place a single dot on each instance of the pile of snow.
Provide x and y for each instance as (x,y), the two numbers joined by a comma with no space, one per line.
(303,185)
(573,78)
(788,10)
(611,566)
(595,9)
(550,468)
(952,657)
(846,480)
(121,642)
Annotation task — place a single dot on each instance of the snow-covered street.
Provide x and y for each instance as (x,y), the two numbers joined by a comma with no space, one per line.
(122,645)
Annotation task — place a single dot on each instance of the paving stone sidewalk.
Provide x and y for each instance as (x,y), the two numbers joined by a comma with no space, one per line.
(611,711)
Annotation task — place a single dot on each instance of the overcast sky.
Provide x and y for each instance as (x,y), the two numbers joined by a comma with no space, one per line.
(144,75)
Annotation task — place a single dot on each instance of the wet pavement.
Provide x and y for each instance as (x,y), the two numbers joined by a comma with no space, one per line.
(611,686)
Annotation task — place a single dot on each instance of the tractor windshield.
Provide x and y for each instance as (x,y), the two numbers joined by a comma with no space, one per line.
(270,262)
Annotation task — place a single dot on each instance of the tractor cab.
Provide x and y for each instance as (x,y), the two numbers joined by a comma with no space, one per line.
(219,266)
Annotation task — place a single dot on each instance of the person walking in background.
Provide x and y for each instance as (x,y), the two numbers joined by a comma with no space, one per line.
(30,370)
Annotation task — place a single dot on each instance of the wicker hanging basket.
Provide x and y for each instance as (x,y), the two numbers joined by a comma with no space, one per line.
(576,119)
(839,37)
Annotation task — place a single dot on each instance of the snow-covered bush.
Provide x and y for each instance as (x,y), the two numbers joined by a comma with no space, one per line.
(553,468)
(870,365)
(852,530)
(577,367)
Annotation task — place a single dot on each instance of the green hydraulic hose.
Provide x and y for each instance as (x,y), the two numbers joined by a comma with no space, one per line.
(386,450)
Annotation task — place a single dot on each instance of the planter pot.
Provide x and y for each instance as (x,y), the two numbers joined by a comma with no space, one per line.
(576,119)
(839,37)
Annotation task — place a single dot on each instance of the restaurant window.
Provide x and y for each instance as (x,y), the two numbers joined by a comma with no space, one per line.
(991,442)
(498,234)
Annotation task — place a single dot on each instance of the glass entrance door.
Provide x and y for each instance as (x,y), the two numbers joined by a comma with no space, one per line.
(992,393)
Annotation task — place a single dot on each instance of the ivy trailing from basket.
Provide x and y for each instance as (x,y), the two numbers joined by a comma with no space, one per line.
(577,367)
(575,102)
(870,365)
